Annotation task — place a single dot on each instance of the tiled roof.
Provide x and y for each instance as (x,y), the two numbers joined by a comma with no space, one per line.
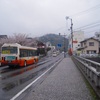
(89,39)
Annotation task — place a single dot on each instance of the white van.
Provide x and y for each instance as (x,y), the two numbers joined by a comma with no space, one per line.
(54,54)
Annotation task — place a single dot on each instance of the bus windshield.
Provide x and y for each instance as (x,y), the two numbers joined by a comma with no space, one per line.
(9,50)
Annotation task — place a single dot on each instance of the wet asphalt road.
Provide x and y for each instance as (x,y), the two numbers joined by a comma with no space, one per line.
(14,80)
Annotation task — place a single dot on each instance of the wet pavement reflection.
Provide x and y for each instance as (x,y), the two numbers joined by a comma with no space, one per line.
(15,79)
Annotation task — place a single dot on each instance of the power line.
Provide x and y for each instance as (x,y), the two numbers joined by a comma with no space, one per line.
(89,25)
(85,11)
(93,31)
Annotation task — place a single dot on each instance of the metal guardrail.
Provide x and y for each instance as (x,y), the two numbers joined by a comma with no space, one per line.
(91,70)
(90,55)
(90,63)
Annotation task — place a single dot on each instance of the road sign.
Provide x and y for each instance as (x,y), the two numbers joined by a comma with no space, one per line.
(59,45)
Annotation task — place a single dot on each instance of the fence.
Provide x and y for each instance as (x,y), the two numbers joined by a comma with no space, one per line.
(91,70)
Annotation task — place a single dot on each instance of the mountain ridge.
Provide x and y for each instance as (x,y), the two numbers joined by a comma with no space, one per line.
(55,40)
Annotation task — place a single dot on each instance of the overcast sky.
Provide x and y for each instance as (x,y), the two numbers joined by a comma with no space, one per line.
(40,17)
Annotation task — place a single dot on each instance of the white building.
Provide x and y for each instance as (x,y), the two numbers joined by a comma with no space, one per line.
(48,44)
(78,36)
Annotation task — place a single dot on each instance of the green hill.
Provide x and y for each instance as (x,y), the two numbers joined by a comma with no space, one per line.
(55,40)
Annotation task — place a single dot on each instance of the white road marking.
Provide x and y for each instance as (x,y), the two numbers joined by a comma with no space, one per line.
(18,94)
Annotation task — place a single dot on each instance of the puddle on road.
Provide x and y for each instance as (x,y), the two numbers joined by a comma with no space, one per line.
(14,82)
(7,86)
(11,85)
(13,74)
(11,80)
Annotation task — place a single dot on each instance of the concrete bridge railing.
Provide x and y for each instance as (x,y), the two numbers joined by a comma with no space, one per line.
(91,70)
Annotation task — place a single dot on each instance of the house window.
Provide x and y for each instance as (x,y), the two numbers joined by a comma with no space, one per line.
(87,51)
(81,44)
(91,43)
(78,45)
(93,51)
(84,43)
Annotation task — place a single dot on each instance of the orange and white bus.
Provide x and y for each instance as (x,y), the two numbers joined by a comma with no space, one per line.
(16,55)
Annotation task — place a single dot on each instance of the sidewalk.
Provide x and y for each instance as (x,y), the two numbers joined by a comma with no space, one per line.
(64,83)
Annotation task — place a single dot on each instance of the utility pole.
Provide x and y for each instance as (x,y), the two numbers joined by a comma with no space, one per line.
(71,31)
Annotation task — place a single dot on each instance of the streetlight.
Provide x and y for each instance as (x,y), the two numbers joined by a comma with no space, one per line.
(71,29)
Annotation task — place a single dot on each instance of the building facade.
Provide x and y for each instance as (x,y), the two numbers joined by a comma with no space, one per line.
(78,36)
(90,46)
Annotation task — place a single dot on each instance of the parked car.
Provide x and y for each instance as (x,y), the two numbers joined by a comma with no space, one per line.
(62,51)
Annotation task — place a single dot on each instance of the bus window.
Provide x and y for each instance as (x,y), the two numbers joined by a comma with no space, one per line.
(30,53)
(23,53)
(34,52)
(9,50)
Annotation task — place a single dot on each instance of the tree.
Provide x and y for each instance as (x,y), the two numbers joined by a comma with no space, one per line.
(20,38)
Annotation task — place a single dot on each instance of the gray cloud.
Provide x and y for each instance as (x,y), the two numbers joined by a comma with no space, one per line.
(39,17)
